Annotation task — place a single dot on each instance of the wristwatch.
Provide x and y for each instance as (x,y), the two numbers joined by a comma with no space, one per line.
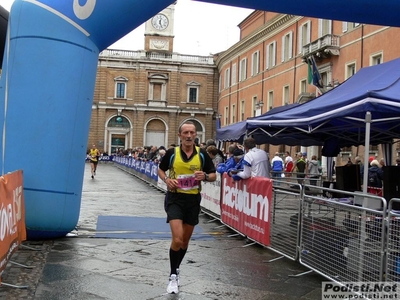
(165,178)
(206,176)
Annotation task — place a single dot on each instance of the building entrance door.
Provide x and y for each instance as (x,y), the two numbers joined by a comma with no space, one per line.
(117,142)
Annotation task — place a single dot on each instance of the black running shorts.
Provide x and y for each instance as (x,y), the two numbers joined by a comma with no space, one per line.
(185,207)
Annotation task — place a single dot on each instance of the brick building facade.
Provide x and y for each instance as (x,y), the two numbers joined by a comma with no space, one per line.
(142,97)
(268,67)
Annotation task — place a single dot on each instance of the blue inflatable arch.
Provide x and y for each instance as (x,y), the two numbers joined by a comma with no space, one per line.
(48,79)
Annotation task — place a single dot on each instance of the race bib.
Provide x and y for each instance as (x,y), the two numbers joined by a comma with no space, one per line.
(187,182)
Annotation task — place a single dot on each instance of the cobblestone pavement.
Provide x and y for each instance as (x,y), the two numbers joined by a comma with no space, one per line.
(83,267)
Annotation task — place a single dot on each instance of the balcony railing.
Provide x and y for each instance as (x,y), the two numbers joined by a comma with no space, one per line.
(128,54)
(326,45)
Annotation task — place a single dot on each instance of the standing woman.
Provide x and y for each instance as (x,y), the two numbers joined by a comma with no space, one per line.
(188,165)
(313,170)
(94,155)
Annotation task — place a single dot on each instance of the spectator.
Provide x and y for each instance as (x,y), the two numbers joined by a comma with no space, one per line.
(305,156)
(375,179)
(300,168)
(230,162)
(256,161)
(215,156)
(277,166)
(313,170)
(238,156)
(382,163)
(370,159)
(349,162)
(288,164)
(398,162)
(160,155)
(359,162)
(211,142)
(140,154)
(152,153)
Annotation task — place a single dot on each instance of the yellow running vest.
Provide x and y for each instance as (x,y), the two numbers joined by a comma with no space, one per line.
(184,172)
(93,154)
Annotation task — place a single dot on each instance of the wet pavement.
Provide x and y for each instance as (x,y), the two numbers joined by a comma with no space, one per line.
(85,267)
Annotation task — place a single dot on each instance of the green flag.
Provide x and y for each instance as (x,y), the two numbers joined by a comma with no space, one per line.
(310,73)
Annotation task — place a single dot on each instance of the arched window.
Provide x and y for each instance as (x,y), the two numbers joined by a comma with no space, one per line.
(119,122)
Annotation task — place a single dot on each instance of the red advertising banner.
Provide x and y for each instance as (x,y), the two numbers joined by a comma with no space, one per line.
(12,216)
(246,207)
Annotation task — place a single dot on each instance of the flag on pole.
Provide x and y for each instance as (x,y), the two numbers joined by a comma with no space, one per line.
(310,73)
(218,122)
(316,77)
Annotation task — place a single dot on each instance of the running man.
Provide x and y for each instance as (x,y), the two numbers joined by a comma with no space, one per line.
(94,155)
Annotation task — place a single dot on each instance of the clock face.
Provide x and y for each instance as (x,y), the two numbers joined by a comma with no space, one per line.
(160,22)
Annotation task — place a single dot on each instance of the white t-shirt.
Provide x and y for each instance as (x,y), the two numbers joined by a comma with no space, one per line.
(255,164)
(288,158)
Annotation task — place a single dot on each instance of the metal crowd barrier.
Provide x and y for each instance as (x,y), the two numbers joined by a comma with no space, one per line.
(292,177)
(343,239)
(392,266)
(285,218)
(343,236)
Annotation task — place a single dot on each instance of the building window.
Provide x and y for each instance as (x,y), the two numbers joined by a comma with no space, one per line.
(271,55)
(348,26)
(234,74)
(227,77)
(193,95)
(120,93)
(350,70)
(158,87)
(325,79)
(255,63)
(287,46)
(286,95)
(303,86)
(376,59)
(271,100)
(242,110)
(220,83)
(118,121)
(326,75)
(373,148)
(193,92)
(243,69)
(304,35)
(255,106)
(233,114)
(226,115)
(120,87)
(324,27)
(346,149)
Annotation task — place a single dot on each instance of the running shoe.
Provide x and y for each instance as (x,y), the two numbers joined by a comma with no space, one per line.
(92,177)
(178,277)
(172,287)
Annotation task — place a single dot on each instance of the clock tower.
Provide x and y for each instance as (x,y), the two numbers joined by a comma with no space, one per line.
(159,31)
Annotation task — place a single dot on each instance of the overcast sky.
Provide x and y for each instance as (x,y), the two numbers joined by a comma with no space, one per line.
(214,30)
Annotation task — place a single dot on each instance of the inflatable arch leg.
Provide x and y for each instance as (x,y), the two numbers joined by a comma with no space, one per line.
(46,96)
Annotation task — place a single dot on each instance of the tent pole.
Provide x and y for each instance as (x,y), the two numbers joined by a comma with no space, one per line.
(366,150)
(365,201)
